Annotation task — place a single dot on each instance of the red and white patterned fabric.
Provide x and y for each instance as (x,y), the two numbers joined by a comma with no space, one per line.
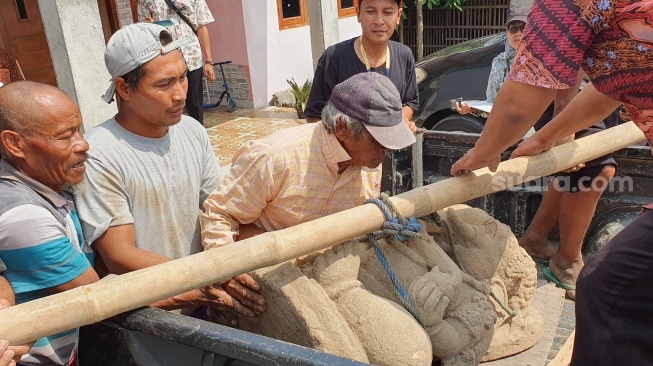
(611,40)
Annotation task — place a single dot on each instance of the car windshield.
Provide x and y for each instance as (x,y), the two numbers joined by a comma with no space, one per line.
(467,45)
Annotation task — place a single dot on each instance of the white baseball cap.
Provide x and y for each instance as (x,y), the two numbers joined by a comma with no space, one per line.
(133,46)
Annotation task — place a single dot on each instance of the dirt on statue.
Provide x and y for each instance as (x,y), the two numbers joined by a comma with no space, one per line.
(342,301)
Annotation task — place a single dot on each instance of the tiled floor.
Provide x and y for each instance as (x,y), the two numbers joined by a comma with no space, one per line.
(229,131)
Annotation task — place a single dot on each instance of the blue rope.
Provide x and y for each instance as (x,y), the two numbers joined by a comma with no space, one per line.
(399,229)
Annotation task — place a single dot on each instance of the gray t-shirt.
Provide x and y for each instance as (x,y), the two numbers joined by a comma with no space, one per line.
(157,184)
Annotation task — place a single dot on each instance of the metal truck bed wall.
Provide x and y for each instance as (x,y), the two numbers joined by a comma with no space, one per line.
(517,206)
(153,337)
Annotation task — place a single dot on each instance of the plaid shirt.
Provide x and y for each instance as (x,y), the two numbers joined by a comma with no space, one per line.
(196,11)
(283,180)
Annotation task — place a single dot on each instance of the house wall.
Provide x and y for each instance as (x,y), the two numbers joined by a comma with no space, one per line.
(229,43)
(290,51)
(124,12)
(247,33)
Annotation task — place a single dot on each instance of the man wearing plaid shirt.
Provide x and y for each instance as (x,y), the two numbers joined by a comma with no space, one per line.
(306,172)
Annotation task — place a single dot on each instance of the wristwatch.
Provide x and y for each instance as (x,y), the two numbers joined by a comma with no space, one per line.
(209,62)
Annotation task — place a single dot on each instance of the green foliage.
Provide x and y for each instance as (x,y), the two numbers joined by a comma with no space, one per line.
(432,3)
(300,93)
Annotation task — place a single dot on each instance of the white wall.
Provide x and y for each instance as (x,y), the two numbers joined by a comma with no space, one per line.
(274,55)
(349,28)
(255,22)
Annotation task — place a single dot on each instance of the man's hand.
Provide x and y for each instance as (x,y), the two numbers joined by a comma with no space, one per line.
(463,108)
(209,73)
(532,146)
(9,355)
(470,162)
(411,125)
(7,358)
(245,290)
(238,295)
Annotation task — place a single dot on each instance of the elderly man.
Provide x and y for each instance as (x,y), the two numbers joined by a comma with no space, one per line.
(150,169)
(43,162)
(310,171)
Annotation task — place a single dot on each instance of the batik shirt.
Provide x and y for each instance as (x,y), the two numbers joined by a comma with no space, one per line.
(196,11)
(611,40)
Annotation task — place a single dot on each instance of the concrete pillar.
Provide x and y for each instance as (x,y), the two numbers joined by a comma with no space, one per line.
(76,41)
(323,17)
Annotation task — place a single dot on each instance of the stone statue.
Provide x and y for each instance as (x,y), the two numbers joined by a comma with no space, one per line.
(342,301)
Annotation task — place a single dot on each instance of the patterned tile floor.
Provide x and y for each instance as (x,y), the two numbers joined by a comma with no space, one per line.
(229,131)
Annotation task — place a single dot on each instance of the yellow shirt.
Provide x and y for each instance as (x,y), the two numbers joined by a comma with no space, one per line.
(283,180)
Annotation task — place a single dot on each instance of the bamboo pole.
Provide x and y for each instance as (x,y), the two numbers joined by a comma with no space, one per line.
(101,300)
(563,358)
(20,71)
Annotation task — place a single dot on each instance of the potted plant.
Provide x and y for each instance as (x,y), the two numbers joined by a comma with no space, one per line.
(301,94)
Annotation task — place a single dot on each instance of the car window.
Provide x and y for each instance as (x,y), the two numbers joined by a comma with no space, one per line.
(467,46)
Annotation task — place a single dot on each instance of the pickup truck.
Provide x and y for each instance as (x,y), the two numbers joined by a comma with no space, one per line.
(149,337)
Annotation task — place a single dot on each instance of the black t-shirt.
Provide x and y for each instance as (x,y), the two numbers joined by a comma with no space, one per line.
(339,62)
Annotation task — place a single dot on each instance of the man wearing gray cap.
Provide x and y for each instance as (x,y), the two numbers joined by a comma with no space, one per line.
(306,172)
(150,169)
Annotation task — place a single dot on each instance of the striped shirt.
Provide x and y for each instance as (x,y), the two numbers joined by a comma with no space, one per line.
(283,180)
(40,251)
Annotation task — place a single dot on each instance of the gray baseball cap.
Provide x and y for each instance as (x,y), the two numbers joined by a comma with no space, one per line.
(518,13)
(374,100)
(133,46)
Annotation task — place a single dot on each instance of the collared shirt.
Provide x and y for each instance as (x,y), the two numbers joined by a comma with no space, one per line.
(196,11)
(283,180)
(610,39)
(40,251)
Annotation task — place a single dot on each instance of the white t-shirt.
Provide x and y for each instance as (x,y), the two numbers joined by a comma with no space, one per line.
(157,184)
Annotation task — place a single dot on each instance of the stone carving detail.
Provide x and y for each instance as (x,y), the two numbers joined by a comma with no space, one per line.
(342,301)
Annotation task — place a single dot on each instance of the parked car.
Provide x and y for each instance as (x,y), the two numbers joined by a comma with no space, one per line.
(457,71)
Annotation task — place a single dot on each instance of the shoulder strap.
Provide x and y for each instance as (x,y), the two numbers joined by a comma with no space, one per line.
(182,16)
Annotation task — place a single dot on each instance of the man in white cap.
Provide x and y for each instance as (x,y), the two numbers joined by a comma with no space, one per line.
(150,169)
(313,170)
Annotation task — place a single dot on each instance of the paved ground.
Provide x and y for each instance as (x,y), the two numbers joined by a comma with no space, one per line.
(228,131)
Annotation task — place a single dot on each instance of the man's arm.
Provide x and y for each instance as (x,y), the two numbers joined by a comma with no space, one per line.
(203,17)
(117,247)
(515,111)
(89,276)
(6,293)
(407,114)
(241,196)
(205,44)
(584,110)
(9,355)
